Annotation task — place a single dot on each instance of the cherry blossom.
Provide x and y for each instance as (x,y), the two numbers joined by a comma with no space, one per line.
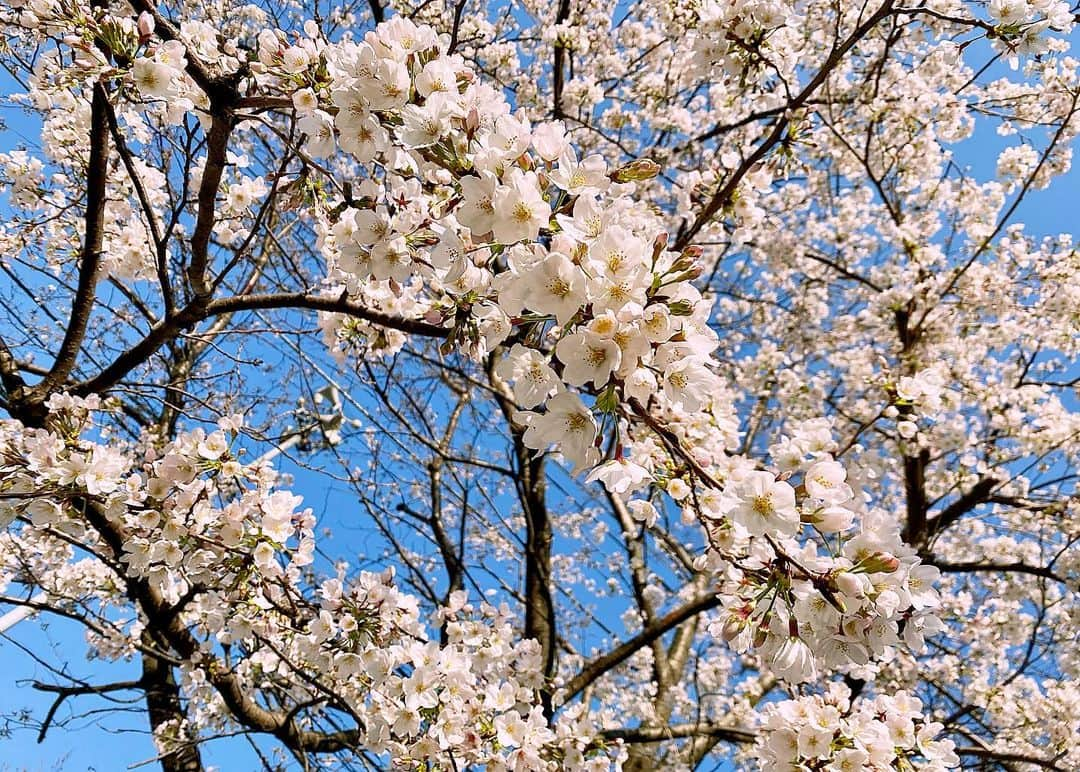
(693,401)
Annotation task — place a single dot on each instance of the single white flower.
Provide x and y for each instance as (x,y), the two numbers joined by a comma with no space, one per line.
(153,78)
(587,357)
(534,380)
(520,208)
(568,425)
(825,481)
(765,505)
(305,100)
(555,286)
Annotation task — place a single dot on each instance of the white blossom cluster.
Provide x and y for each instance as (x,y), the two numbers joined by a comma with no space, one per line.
(835,733)
(614,335)
(535,247)
(472,697)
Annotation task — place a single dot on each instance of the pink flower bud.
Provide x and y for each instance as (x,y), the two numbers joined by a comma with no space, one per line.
(145,25)
(880,562)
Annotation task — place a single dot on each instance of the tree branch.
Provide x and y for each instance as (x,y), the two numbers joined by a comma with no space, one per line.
(1018,567)
(194,313)
(624,651)
(558,65)
(979,493)
(90,260)
(724,195)
(540,623)
(217,142)
(1021,758)
(651,734)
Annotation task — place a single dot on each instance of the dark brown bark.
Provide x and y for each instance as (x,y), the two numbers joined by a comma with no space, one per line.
(602,664)
(539,607)
(163,706)
(90,259)
(558,75)
(195,312)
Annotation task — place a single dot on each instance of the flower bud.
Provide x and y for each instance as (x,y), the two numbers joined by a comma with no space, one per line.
(683,262)
(832,519)
(880,563)
(731,628)
(641,169)
(659,245)
(145,25)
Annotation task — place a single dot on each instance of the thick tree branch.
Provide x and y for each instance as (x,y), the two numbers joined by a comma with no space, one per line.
(915,527)
(90,259)
(217,142)
(1019,567)
(163,706)
(540,622)
(601,665)
(651,734)
(979,493)
(1020,758)
(195,312)
(558,66)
